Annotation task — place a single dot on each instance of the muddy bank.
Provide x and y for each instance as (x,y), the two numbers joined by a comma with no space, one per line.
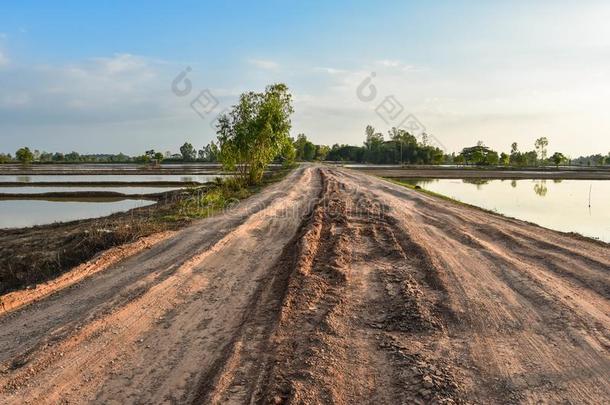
(40,253)
(32,255)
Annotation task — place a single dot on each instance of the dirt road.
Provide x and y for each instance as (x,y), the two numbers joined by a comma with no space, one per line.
(329,287)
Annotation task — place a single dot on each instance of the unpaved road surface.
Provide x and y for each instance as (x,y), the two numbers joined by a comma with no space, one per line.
(329,287)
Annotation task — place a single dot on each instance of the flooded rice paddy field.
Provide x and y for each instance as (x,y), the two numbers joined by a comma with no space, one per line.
(24,213)
(579,206)
(185,178)
(123,190)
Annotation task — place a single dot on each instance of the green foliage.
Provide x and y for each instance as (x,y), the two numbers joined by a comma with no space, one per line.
(558,158)
(480,155)
(150,156)
(345,153)
(5,158)
(209,153)
(592,160)
(143,158)
(321,152)
(541,144)
(530,158)
(522,159)
(158,156)
(188,152)
(304,149)
(24,155)
(255,131)
(288,153)
(402,147)
(492,158)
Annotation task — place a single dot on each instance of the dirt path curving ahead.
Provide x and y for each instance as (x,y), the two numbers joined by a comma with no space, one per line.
(329,287)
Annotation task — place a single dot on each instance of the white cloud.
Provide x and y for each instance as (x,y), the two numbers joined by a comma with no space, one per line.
(119,102)
(395,65)
(389,63)
(264,64)
(329,70)
(121,63)
(118,88)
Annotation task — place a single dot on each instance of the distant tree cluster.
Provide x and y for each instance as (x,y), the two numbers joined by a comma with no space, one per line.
(306,151)
(483,156)
(25,155)
(592,160)
(399,147)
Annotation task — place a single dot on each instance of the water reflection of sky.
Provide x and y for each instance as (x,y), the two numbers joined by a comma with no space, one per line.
(53,189)
(557,204)
(202,178)
(22,213)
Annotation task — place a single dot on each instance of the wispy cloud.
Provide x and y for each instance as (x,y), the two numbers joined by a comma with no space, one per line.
(389,63)
(329,70)
(395,64)
(115,88)
(121,63)
(264,64)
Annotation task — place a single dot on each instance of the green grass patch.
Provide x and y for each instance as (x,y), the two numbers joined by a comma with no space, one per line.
(221,195)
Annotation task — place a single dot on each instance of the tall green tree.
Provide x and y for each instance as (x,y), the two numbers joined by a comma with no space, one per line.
(24,155)
(558,158)
(256,131)
(321,152)
(305,149)
(209,153)
(480,155)
(188,152)
(541,144)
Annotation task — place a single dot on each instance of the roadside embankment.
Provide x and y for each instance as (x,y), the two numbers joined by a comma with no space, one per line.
(32,255)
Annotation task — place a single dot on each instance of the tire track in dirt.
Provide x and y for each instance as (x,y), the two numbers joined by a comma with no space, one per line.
(120,325)
(353,291)
(526,332)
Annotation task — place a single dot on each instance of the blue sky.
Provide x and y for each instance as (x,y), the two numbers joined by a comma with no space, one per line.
(97,76)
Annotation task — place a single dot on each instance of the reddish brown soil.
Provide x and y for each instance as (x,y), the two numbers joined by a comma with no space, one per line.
(328,287)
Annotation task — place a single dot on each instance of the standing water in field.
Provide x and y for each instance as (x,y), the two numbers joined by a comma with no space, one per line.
(41,178)
(562,205)
(22,213)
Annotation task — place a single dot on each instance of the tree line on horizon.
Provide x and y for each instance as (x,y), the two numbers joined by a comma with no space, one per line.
(400,148)
(256,132)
